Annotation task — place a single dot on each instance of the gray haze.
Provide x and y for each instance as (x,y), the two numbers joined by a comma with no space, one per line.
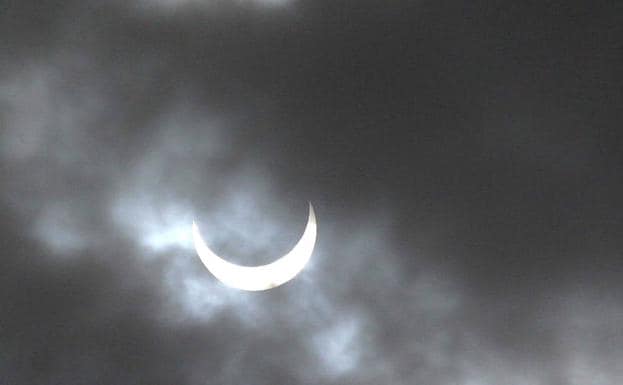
(464,160)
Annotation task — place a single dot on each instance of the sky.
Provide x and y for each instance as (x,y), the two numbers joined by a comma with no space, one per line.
(464,160)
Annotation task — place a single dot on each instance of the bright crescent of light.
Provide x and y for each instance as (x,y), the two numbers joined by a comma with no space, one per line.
(256,278)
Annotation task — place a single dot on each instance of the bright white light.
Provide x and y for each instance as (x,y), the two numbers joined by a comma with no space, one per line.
(259,277)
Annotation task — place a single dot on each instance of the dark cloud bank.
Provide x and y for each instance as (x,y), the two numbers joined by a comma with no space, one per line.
(464,159)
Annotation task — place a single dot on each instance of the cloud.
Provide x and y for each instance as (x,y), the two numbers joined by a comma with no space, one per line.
(338,346)
(443,256)
(211,3)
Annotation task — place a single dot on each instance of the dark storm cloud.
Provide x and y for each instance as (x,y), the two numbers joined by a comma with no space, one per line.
(464,160)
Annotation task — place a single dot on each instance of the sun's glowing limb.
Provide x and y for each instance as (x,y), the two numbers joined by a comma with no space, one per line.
(256,278)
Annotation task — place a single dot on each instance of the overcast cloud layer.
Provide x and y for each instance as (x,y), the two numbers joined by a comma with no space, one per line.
(464,160)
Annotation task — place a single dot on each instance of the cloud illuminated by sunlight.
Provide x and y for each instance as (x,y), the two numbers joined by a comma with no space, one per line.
(174,4)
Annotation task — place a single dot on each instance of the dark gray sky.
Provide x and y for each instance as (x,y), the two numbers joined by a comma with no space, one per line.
(464,159)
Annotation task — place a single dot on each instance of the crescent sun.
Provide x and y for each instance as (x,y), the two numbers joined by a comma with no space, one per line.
(256,278)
